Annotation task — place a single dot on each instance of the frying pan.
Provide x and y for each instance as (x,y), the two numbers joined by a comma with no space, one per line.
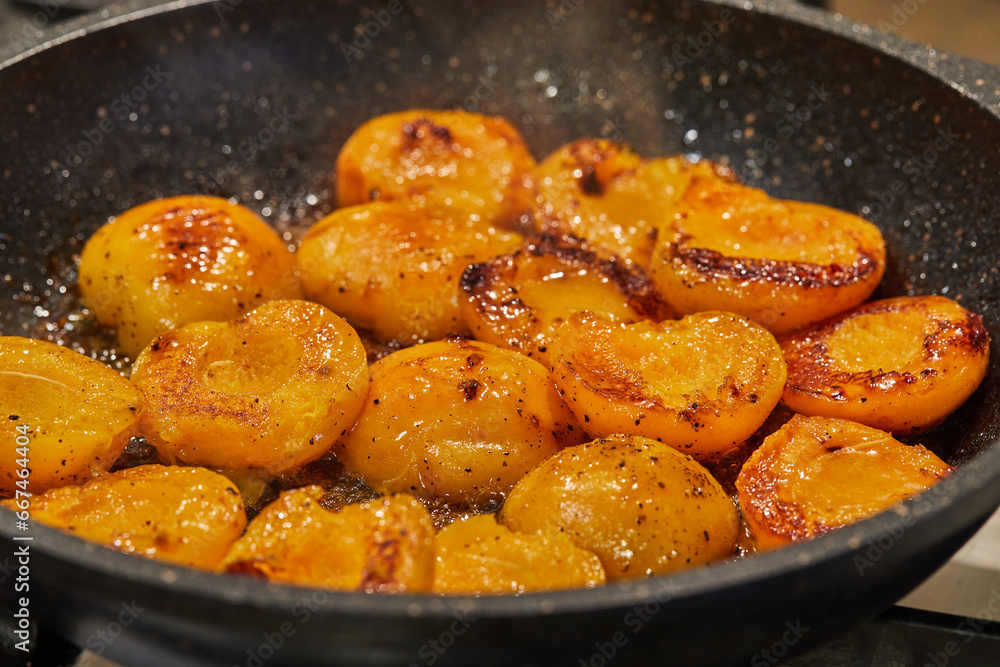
(252,99)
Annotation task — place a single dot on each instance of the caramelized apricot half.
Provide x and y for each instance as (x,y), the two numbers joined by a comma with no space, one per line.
(702,384)
(456,420)
(783,264)
(64,417)
(641,506)
(518,300)
(393,268)
(479,556)
(188,516)
(271,390)
(384,545)
(601,191)
(817,474)
(179,260)
(901,365)
(452,159)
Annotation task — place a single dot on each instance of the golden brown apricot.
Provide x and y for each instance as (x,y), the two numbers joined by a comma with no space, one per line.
(385,545)
(479,556)
(641,506)
(518,300)
(601,191)
(188,516)
(271,390)
(178,260)
(783,264)
(64,417)
(456,420)
(393,268)
(817,474)
(901,365)
(702,384)
(452,159)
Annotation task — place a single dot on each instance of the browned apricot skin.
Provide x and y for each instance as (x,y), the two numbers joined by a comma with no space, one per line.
(456,420)
(784,264)
(271,390)
(601,191)
(457,159)
(901,365)
(641,506)
(818,474)
(702,384)
(518,300)
(394,268)
(384,546)
(178,260)
(188,516)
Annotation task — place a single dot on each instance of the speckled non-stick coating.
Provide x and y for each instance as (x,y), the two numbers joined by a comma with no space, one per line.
(252,100)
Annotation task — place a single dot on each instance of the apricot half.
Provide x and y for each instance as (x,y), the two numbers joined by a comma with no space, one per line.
(456,420)
(384,545)
(901,365)
(518,300)
(641,506)
(393,268)
(783,264)
(601,191)
(702,384)
(179,260)
(477,556)
(188,516)
(817,474)
(64,417)
(271,390)
(452,159)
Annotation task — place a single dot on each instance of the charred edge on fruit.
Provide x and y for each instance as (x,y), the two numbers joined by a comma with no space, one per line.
(425,128)
(618,388)
(479,281)
(713,265)
(380,568)
(254,569)
(633,283)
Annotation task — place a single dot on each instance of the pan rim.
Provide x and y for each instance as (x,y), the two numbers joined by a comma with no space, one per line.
(978,478)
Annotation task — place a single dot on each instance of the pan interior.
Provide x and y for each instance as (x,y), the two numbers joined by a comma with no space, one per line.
(241,101)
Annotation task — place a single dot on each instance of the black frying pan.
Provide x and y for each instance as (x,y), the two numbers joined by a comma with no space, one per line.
(252,99)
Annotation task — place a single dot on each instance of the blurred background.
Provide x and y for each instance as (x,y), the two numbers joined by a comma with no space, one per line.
(968,27)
